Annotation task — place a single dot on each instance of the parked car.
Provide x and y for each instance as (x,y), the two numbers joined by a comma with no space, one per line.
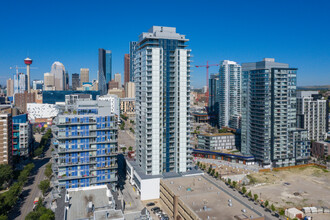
(150,204)
(155,208)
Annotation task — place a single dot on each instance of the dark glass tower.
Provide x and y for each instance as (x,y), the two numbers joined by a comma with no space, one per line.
(75,81)
(105,69)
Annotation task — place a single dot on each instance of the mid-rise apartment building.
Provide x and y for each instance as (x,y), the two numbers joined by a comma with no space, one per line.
(162,81)
(312,114)
(5,138)
(22,136)
(86,145)
(216,141)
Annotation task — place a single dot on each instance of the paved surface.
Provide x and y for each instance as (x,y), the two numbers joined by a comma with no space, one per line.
(31,190)
(243,200)
(126,139)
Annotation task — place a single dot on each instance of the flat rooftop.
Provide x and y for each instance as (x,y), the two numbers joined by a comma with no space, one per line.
(101,198)
(217,134)
(205,199)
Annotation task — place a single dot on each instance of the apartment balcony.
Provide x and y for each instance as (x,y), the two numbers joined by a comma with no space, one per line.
(112,179)
(64,150)
(93,122)
(111,167)
(76,137)
(68,164)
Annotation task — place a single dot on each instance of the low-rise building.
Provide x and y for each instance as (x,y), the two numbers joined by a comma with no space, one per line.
(216,141)
(320,149)
(41,112)
(94,202)
(193,197)
(127,107)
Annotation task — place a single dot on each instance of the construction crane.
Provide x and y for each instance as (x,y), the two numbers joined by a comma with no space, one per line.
(207,77)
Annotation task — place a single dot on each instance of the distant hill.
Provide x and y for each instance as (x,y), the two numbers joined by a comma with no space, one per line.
(323,87)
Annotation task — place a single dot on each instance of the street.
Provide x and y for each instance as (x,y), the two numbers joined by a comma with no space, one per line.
(240,198)
(31,190)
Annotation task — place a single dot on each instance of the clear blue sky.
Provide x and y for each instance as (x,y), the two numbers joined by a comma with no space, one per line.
(292,31)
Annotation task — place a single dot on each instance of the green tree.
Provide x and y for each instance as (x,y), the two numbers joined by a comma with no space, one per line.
(6,174)
(217,175)
(204,166)
(281,212)
(44,186)
(48,170)
(130,148)
(234,184)
(123,149)
(272,207)
(3,217)
(198,163)
(41,213)
(255,196)
(43,129)
(250,194)
(210,169)
(213,172)
(229,181)
(243,190)
(38,151)
(266,203)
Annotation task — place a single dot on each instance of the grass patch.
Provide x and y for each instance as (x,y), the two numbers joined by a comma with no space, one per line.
(252,180)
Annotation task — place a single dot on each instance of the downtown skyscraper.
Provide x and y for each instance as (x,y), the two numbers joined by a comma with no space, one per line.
(269,130)
(105,70)
(162,78)
(58,72)
(229,94)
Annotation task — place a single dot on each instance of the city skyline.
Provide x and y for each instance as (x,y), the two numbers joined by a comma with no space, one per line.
(304,46)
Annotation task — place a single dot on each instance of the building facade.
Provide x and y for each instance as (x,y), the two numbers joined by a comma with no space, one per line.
(75,81)
(130,90)
(20,83)
(127,107)
(85,146)
(312,114)
(126,68)
(118,78)
(58,71)
(229,94)
(132,47)
(320,149)
(105,70)
(215,142)
(214,100)
(84,76)
(269,114)
(5,138)
(162,80)
(22,136)
(21,100)
(49,82)
(37,85)
(10,87)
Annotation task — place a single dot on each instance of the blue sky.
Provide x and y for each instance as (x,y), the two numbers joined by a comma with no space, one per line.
(291,31)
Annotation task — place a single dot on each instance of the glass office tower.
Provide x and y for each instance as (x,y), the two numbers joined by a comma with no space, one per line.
(162,78)
(105,70)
